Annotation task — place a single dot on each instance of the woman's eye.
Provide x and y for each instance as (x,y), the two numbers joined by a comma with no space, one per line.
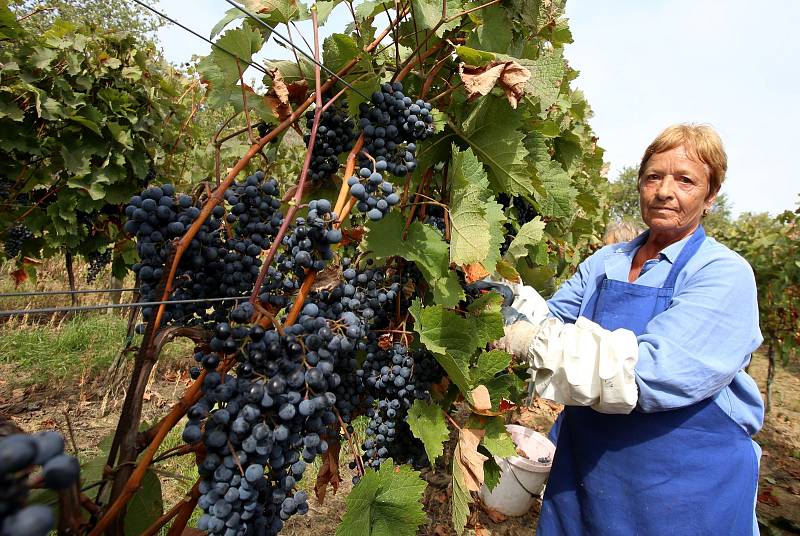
(686,180)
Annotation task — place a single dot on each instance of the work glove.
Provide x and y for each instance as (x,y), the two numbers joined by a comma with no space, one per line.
(580,364)
(583,364)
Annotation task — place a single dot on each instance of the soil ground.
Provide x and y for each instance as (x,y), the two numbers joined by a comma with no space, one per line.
(34,406)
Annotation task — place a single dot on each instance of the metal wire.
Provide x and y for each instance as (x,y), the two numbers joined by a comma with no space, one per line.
(57,292)
(49,310)
(209,41)
(288,43)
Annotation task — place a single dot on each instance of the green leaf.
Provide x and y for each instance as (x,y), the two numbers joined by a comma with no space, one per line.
(424,246)
(491,130)
(530,234)
(558,199)
(489,364)
(242,42)
(428,14)
(11,110)
(9,28)
(474,57)
(145,506)
(487,318)
(231,15)
(495,33)
(507,270)
(449,337)
(338,49)
(471,226)
(491,473)
(76,161)
(385,502)
(324,9)
(497,441)
(460,500)
(427,423)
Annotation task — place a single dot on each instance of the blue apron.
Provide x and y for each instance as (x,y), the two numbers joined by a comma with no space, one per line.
(687,471)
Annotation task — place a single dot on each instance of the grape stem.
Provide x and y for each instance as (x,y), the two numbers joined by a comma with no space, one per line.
(153,529)
(301,182)
(354,450)
(426,176)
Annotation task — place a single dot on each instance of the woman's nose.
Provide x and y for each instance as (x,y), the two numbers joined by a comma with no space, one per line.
(665,187)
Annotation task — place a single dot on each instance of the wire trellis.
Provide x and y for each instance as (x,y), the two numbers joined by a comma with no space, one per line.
(81,308)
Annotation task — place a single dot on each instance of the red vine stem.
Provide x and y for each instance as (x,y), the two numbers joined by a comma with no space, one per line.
(301,182)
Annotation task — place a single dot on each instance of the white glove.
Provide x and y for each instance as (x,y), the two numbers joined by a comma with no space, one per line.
(583,364)
(520,335)
(518,339)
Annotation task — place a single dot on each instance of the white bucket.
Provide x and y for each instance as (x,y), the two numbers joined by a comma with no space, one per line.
(521,479)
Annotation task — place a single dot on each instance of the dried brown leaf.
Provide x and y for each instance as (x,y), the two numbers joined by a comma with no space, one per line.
(329,471)
(467,456)
(474,272)
(510,76)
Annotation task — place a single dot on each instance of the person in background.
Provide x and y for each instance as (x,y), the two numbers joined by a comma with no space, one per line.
(622,231)
(646,347)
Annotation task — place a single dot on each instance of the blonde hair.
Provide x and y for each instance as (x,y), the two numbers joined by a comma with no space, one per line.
(701,141)
(622,231)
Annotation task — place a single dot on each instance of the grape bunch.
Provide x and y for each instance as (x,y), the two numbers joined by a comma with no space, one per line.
(17,236)
(308,246)
(262,426)
(254,218)
(19,454)
(392,124)
(374,195)
(97,262)
(395,378)
(156,218)
(335,135)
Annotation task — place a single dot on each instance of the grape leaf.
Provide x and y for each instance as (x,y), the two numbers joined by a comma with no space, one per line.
(491,131)
(547,73)
(494,34)
(428,14)
(145,506)
(428,425)
(470,240)
(489,364)
(231,15)
(488,318)
(530,234)
(385,502)
(449,337)
(491,473)
(338,49)
(242,42)
(425,246)
(558,199)
(278,11)
(496,440)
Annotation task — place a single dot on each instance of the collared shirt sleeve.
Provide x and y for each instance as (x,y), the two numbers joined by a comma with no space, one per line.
(566,303)
(694,349)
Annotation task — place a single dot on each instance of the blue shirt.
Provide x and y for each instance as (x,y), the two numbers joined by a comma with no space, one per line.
(698,347)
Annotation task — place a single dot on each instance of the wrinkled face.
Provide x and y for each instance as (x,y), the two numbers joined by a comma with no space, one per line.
(673,192)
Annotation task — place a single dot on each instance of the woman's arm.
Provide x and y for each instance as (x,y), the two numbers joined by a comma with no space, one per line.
(565,304)
(693,350)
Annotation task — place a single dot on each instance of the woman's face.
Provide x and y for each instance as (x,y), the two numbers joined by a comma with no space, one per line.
(673,192)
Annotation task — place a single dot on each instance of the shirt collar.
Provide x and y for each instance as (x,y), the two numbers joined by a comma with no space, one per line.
(670,252)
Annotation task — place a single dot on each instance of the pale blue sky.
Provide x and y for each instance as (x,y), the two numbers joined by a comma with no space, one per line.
(645,64)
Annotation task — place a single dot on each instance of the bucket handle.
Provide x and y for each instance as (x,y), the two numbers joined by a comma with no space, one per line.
(511,470)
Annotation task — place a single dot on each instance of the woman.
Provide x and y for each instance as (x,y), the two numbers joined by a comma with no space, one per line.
(646,346)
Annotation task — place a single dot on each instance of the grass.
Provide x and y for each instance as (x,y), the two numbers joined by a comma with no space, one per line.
(73,348)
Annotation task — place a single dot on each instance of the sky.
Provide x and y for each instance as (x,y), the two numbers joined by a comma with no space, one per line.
(646,64)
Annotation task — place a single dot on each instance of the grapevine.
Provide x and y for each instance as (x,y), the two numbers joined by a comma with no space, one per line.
(341,291)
